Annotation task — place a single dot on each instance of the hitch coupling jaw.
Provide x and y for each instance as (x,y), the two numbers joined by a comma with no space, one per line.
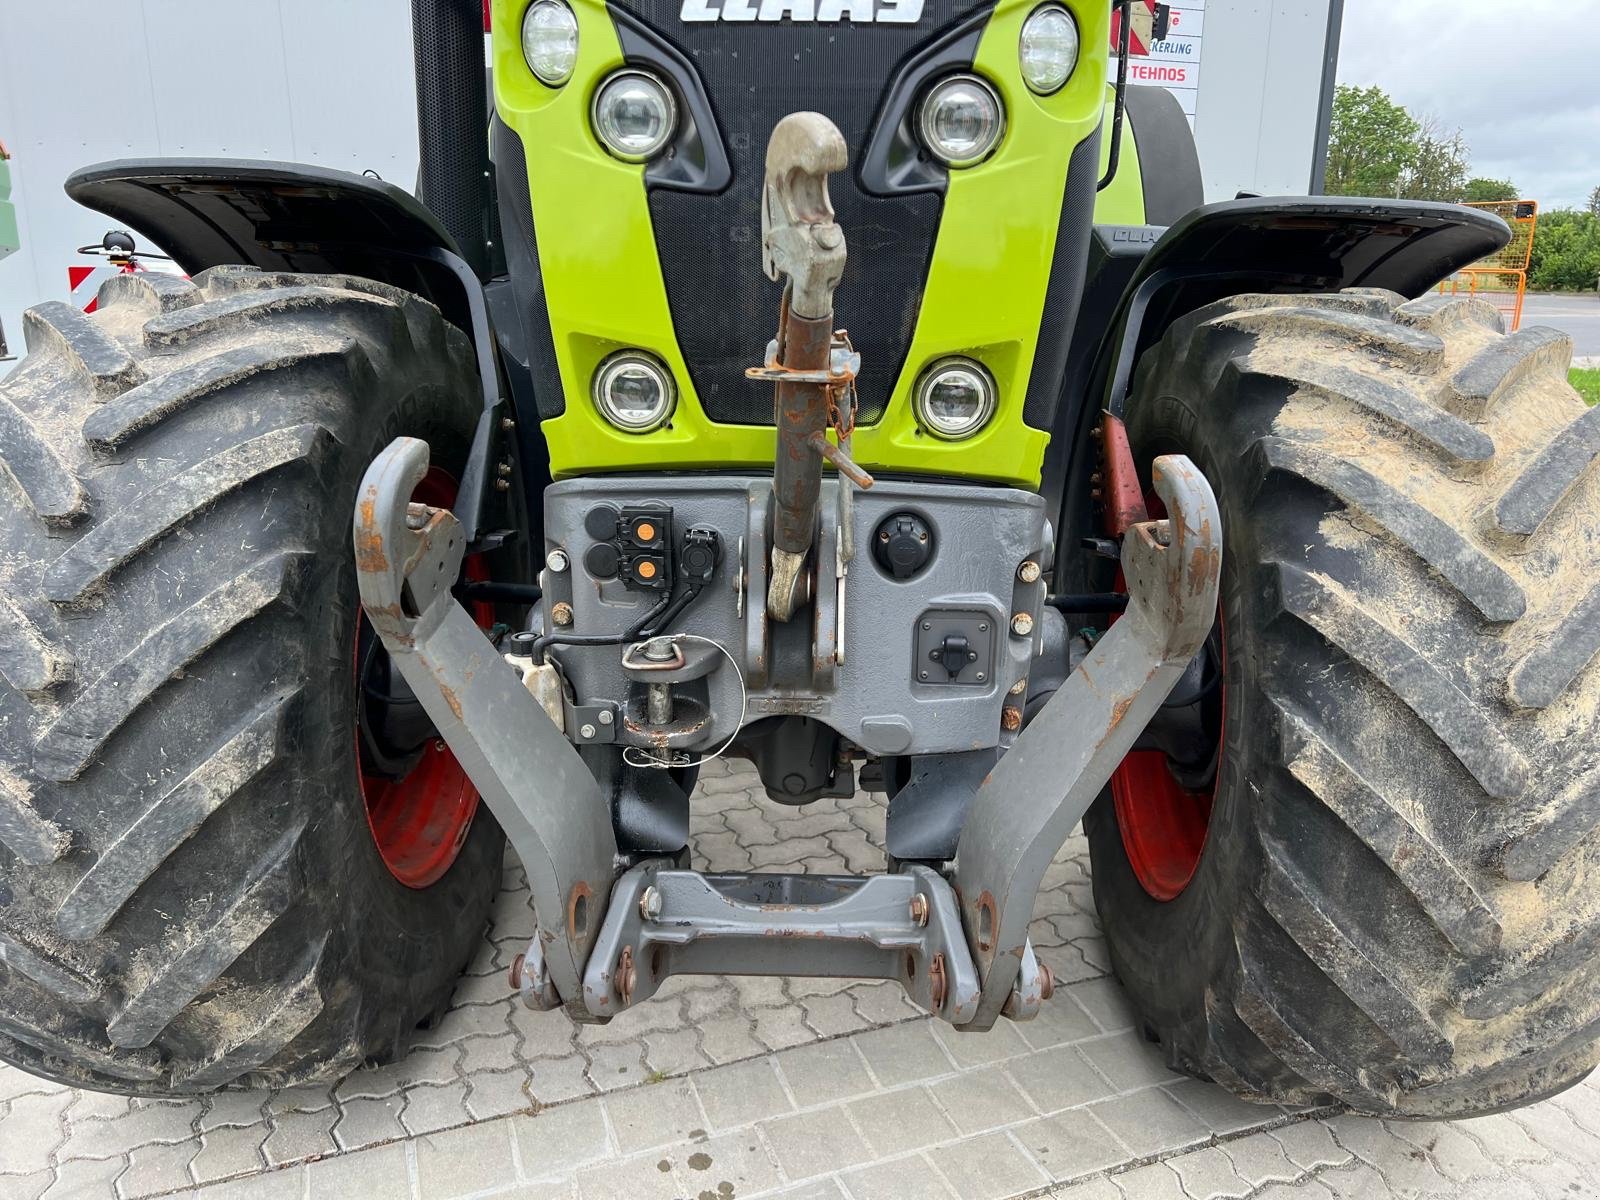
(812,366)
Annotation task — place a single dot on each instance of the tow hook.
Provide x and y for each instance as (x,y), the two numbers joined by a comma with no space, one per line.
(813,367)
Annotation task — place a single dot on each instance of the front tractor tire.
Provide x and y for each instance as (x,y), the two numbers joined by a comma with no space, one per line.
(192,892)
(1395,905)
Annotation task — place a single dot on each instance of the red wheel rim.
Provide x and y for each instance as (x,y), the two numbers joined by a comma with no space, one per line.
(420,820)
(1163,824)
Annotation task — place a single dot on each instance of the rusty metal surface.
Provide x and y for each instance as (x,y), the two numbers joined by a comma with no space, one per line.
(408,557)
(1041,788)
(802,244)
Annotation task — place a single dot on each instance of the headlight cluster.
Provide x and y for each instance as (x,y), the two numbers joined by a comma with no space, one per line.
(634,392)
(954,399)
(962,117)
(634,115)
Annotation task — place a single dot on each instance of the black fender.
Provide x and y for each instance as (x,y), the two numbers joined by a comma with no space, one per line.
(1284,244)
(1287,245)
(279,216)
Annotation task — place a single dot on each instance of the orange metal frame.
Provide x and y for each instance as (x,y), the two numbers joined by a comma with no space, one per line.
(1502,277)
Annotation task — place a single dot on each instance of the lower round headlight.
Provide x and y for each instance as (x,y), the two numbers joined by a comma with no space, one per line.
(954,398)
(962,120)
(634,115)
(550,41)
(1048,51)
(634,392)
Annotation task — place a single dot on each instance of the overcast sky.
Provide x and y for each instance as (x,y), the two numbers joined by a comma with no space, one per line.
(1521,78)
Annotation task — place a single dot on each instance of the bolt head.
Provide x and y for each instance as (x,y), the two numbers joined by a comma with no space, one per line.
(507,424)
(1019,687)
(650,903)
(1028,572)
(1022,624)
(919,910)
(1011,719)
(561,613)
(605,716)
(586,731)
(502,485)
(556,560)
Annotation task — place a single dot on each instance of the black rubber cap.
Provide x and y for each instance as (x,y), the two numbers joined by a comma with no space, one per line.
(600,523)
(902,544)
(601,560)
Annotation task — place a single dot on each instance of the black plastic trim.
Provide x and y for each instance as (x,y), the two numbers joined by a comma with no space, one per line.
(535,350)
(697,160)
(1169,164)
(894,162)
(1064,291)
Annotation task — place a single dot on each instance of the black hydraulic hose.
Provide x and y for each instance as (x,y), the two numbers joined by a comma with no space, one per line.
(1124,36)
(508,593)
(599,639)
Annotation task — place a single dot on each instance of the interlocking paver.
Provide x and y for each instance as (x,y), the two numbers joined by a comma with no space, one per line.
(717,1082)
(1157,1181)
(559,1140)
(825,1071)
(32,1131)
(297,1136)
(228,1151)
(1057,1079)
(84,1177)
(1070,1145)
(381,1171)
(655,1115)
(1150,1123)
(742,1093)
(1128,1061)
(731,1165)
(815,1143)
(496,1094)
(991,1166)
(906,1053)
(461,1161)
(429,1108)
(911,1178)
(896,1122)
(158,1167)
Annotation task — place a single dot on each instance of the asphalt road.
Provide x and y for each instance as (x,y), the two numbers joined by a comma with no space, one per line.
(1575,314)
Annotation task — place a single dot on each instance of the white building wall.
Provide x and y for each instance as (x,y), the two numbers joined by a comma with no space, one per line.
(82,81)
(1259,94)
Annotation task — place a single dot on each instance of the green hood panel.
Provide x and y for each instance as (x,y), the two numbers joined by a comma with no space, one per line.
(984,292)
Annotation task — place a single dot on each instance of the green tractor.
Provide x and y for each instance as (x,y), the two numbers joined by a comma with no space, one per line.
(855,387)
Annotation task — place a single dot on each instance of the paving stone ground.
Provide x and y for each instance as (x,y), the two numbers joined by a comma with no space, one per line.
(744,1089)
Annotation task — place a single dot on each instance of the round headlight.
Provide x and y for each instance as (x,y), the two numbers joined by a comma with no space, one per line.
(1049,48)
(962,119)
(550,41)
(954,398)
(635,115)
(634,392)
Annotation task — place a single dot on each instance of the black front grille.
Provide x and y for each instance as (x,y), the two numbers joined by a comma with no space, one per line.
(723,308)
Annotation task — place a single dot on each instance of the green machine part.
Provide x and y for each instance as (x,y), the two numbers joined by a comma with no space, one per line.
(985,287)
(9,241)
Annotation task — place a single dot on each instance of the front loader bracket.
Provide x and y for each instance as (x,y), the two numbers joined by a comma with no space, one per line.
(408,557)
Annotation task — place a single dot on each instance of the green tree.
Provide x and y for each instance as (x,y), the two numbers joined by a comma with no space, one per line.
(1439,168)
(1372,143)
(1566,251)
(1594,202)
(1482,191)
